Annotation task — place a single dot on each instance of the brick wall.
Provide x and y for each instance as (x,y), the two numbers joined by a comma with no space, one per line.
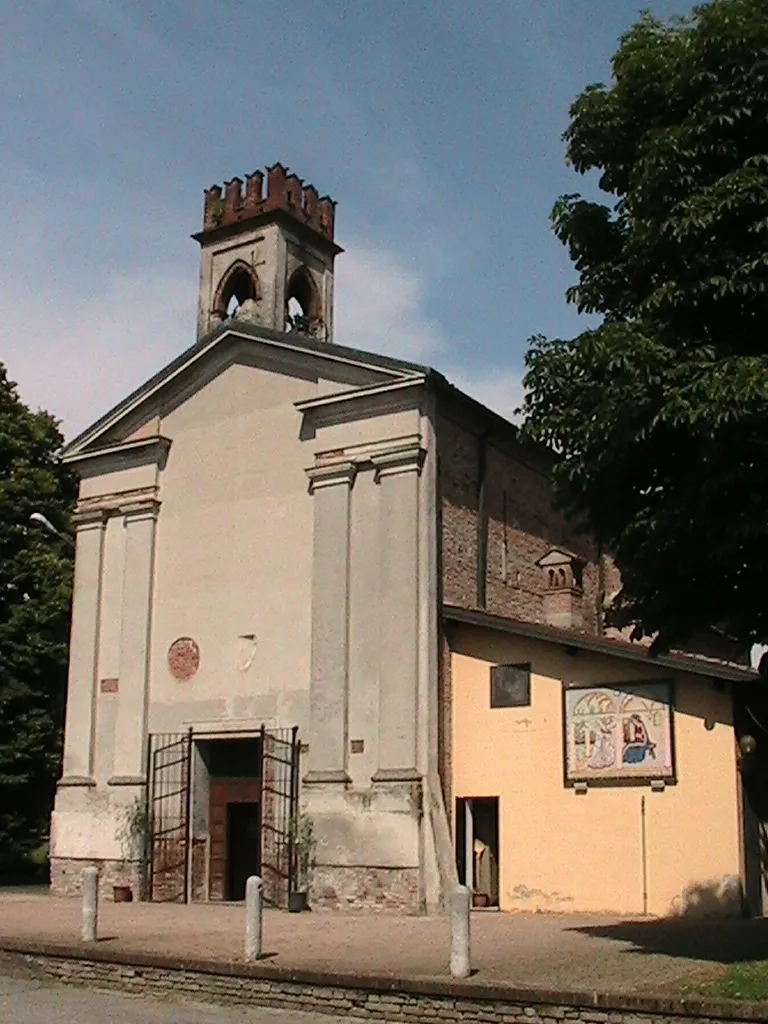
(497,507)
(367,998)
(356,889)
(496,501)
(67,876)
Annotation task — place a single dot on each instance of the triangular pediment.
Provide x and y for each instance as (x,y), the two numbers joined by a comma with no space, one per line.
(559,556)
(335,369)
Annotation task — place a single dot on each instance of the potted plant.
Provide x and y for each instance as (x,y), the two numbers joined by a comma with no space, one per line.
(133,835)
(302,846)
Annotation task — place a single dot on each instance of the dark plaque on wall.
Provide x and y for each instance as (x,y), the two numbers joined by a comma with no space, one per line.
(510,686)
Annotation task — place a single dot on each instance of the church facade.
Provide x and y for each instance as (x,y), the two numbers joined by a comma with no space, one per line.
(296,564)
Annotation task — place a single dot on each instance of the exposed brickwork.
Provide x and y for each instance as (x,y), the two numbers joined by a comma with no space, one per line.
(523,524)
(285,192)
(272,852)
(563,607)
(169,864)
(67,876)
(366,889)
(375,999)
(458,487)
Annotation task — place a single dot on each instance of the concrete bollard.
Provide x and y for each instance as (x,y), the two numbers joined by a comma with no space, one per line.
(461,960)
(90,904)
(254,907)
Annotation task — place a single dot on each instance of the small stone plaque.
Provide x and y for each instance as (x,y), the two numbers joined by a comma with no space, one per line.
(183,658)
(511,686)
(357,746)
(109,686)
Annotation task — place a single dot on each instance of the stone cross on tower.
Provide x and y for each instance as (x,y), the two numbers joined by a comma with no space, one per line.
(267,258)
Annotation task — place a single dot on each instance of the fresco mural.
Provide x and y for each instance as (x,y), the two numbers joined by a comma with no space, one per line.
(618,733)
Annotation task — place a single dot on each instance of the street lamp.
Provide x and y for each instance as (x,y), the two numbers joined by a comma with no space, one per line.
(41,520)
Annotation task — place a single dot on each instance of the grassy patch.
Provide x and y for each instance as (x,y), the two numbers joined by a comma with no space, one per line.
(740,981)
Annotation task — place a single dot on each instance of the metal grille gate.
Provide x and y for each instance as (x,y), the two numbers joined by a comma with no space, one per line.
(279,802)
(170,826)
(170,791)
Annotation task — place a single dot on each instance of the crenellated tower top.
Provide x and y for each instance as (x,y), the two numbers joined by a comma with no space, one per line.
(266,254)
(284,192)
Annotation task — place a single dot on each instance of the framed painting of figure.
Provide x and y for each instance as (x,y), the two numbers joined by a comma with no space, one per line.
(618,733)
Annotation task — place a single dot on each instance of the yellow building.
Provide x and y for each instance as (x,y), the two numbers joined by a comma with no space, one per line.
(587,776)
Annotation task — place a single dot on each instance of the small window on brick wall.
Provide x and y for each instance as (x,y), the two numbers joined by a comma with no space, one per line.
(511,685)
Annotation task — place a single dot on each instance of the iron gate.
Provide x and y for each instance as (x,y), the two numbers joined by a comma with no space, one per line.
(279,802)
(170,825)
(170,791)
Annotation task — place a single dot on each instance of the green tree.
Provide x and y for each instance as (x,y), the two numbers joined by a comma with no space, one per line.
(35,595)
(660,414)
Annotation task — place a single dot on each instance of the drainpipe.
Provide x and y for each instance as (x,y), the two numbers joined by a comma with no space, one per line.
(644,846)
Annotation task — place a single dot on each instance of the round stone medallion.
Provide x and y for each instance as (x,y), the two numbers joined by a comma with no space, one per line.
(183,658)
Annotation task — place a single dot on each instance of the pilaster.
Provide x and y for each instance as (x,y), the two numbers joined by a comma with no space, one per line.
(83,651)
(331,487)
(397,474)
(140,525)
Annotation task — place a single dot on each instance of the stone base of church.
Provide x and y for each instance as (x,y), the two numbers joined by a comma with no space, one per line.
(67,876)
(366,889)
(368,854)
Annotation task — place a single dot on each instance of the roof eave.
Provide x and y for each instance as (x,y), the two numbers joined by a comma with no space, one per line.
(599,645)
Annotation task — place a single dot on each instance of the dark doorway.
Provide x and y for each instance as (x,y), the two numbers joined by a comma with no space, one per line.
(750,706)
(477,847)
(233,777)
(243,828)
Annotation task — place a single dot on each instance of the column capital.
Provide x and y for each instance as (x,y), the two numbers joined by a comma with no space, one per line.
(333,474)
(136,511)
(138,503)
(398,461)
(89,519)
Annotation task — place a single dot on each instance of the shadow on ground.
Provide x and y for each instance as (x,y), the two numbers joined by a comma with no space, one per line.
(724,942)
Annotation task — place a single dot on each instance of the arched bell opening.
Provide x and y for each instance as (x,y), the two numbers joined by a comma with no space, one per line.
(238,287)
(302,303)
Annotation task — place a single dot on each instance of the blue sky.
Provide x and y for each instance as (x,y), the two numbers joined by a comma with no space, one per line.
(435,124)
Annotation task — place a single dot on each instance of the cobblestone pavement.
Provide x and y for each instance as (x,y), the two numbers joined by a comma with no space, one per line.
(36,1002)
(554,951)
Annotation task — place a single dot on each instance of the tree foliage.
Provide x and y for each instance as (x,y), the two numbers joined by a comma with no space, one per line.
(660,414)
(35,594)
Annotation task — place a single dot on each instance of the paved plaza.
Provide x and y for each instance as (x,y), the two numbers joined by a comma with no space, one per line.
(569,952)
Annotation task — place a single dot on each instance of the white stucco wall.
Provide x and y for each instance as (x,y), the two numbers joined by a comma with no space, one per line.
(235,567)
(234,551)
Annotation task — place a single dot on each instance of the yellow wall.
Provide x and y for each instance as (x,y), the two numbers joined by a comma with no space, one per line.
(564,851)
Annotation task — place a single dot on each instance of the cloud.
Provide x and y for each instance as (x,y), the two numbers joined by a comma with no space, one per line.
(78,355)
(379,307)
(499,388)
(78,351)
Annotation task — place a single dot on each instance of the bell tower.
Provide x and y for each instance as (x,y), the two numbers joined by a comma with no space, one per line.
(266,256)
